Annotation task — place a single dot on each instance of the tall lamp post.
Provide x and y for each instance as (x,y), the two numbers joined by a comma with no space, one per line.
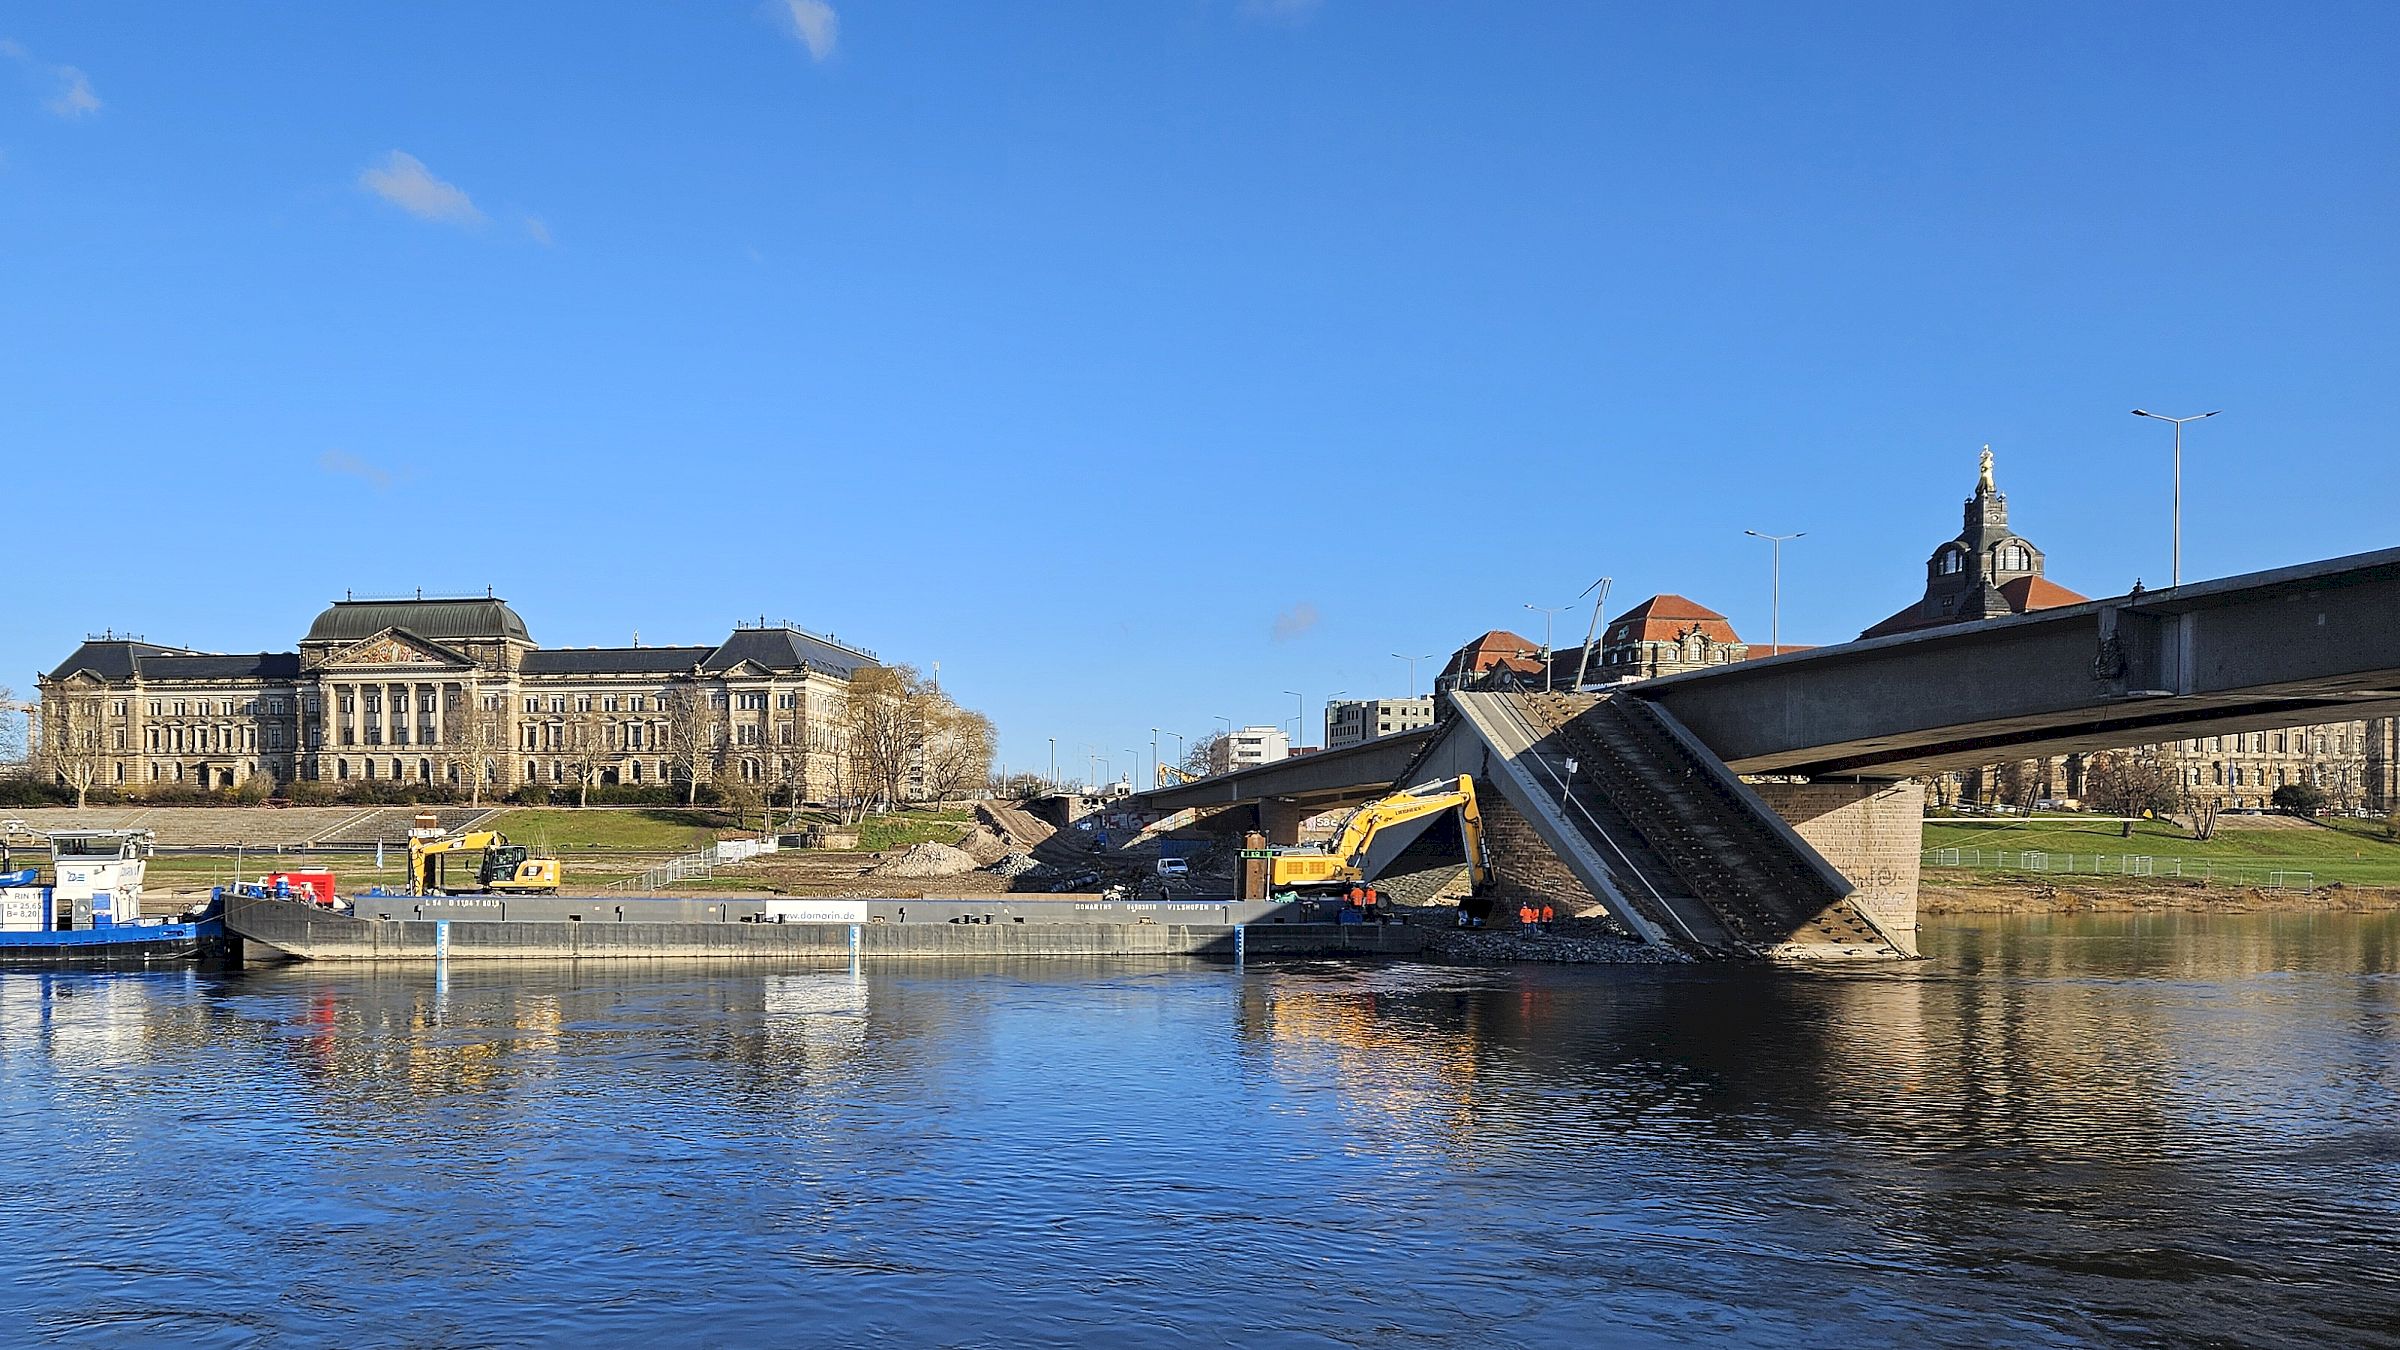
(1412,668)
(1154,756)
(1054,764)
(1548,613)
(1301,721)
(2175,575)
(1775,628)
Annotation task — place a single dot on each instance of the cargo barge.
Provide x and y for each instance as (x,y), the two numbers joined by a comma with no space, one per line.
(552,928)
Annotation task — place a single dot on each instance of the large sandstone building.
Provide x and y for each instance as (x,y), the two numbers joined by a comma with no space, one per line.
(445,691)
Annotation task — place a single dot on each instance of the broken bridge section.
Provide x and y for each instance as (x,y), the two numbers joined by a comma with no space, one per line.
(1669,842)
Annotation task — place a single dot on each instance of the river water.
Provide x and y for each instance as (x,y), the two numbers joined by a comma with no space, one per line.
(2053,1131)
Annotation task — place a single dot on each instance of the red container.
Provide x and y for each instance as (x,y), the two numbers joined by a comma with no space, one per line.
(317,885)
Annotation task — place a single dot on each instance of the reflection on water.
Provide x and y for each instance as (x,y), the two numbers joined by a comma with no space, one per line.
(2053,1131)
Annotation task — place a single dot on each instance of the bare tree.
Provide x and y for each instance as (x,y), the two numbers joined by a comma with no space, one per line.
(478,745)
(583,747)
(2130,783)
(2016,783)
(72,749)
(695,736)
(955,753)
(15,736)
(1212,753)
(882,729)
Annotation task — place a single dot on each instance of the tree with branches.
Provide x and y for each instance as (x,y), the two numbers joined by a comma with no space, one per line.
(72,749)
(583,747)
(695,736)
(478,739)
(2130,783)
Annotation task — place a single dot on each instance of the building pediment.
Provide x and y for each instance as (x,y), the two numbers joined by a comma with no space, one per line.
(396,647)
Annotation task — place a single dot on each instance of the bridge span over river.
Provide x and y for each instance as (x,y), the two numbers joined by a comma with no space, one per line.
(1773,806)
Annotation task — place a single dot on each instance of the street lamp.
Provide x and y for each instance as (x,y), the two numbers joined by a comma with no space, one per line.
(1584,664)
(1548,613)
(1302,719)
(2175,576)
(1054,764)
(1412,668)
(1154,756)
(1133,760)
(1776,629)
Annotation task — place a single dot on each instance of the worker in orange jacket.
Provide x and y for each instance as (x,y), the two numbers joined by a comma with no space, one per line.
(1525,916)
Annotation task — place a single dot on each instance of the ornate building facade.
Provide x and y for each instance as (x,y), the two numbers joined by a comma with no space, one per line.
(445,691)
(1989,571)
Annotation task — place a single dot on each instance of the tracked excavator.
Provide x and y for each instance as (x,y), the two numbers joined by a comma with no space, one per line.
(1373,836)
(504,868)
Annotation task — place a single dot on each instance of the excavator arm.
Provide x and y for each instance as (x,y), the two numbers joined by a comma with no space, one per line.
(1346,857)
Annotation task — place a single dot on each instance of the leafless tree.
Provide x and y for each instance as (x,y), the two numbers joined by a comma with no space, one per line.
(955,752)
(1212,753)
(2017,782)
(2130,783)
(478,744)
(583,747)
(72,750)
(882,729)
(695,736)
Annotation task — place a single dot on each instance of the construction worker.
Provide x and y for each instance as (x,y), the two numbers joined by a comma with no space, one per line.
(1525,915)
(1548,917)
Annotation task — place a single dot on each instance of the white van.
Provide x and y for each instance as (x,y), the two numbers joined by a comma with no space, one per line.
(1174,867)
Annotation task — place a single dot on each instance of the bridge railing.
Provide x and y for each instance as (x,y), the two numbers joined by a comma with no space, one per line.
(2123,865)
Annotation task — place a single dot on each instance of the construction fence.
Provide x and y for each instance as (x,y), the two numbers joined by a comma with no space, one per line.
(2123,865)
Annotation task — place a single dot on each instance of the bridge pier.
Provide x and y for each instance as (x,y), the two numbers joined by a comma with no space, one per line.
(1872,830)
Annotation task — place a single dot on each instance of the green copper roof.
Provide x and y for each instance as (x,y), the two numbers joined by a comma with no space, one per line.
(480,617)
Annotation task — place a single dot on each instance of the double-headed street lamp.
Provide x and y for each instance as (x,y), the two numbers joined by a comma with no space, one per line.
(1775,629)
(1412,668)
(2175,576)
(1548,613)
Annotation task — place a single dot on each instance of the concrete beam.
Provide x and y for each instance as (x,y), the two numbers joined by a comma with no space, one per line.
(1351,776)
(2299,645)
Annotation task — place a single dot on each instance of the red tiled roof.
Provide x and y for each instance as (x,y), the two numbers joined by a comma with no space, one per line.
(2024,595)
(1495,650)
(2027,594)
(1663,618)
(1762,650)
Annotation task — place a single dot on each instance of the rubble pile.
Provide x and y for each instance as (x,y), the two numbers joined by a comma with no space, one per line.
(1015,865)
(1576,944)
(924,860)
(984,846)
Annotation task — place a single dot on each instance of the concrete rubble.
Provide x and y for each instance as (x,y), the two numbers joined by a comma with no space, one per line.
(924,860)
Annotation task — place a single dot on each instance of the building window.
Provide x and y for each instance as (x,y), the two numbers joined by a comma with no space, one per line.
(1952,562)
(154,707)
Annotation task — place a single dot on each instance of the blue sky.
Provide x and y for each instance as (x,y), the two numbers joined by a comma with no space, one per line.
(1140,361)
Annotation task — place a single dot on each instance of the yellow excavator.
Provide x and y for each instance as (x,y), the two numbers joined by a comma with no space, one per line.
(1376,833)
(505,868)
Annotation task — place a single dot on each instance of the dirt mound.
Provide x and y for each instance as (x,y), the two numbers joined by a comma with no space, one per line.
(984,846)
(1019,827)
(924,860)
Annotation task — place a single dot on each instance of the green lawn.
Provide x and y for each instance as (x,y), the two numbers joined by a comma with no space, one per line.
(878,833)
(2360,855)
(637,829)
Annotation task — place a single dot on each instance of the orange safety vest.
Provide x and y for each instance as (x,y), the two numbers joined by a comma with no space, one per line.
(1525,915)
(1545,914)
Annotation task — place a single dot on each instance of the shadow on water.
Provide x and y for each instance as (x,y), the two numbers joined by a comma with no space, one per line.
(2053,1131)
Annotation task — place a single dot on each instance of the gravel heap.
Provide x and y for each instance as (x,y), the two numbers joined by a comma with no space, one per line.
(983,846)
(1014,865)
(1576,944)
(924,860)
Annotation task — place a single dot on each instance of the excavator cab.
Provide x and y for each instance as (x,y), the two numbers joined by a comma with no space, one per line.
(500,863)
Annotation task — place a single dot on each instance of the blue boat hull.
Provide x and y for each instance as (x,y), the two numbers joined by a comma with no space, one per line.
(132,946)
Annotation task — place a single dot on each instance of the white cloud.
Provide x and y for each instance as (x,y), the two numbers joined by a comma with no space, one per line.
(350,465)
(540,231)
(403,180)
(814,23)
(75,96)
(1295,622)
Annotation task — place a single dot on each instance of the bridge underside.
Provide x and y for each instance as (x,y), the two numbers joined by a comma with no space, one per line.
(2252,653)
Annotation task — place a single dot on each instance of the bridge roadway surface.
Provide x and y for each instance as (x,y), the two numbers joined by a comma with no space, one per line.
(2299,645)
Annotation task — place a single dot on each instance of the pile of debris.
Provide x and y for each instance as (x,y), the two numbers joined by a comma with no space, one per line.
(1014,865)
(924,860)
(1571,943)
(984,846)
